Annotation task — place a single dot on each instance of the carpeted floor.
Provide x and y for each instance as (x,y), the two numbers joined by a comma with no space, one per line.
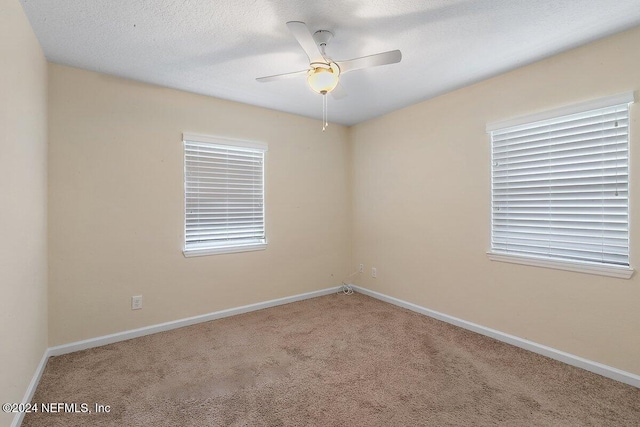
(330,361)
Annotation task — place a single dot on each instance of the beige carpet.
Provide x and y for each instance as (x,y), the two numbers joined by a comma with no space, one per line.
(330,361)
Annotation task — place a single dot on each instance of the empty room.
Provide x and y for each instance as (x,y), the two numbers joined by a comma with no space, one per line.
(356,213)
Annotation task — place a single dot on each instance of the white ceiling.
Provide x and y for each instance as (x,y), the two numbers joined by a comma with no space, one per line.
(218,48)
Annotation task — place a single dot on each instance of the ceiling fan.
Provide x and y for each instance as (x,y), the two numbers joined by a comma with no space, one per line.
(323,74)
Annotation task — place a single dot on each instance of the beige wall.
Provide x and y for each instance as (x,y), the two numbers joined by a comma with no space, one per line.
(421,185)
(23,199)
(116,206)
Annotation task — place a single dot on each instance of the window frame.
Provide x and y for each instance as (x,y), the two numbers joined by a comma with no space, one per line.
(624,272)
(232,247)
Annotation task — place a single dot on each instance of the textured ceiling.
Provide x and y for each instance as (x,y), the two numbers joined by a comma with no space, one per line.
(218,48)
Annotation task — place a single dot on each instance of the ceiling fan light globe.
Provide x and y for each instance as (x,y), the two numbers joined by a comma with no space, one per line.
(323,80)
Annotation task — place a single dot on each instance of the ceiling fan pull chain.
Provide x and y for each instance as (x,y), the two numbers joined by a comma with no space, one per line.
(325,121)
(326,111)
(323,113)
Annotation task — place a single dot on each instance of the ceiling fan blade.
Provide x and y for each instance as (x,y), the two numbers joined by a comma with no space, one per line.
(304,37)
(384,58)
(281,76)
(338,92)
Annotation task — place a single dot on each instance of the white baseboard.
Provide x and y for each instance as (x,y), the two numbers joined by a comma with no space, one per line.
(180,323)
(31,389)
(148,330)
(570,359)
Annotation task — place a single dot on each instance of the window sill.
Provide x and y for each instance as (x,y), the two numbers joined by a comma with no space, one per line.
(188,253)
(618,272)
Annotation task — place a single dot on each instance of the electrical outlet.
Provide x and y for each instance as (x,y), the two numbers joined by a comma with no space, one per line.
(361,268)
(136,302)
(374,272)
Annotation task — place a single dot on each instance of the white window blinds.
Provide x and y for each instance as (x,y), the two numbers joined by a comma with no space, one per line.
(560,188)
(224,195)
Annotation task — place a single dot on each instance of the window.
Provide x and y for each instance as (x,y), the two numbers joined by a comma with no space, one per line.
(560,188)
(224,195)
